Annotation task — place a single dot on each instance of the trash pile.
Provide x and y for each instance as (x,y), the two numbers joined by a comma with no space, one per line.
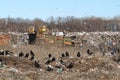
(18,39)
(105,42)
(96,38)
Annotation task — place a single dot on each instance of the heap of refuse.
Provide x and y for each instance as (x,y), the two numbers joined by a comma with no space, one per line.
(96,38)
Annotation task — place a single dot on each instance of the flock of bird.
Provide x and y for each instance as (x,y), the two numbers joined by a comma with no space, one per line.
(50,58)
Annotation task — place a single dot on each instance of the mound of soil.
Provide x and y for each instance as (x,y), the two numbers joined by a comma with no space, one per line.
(84,68)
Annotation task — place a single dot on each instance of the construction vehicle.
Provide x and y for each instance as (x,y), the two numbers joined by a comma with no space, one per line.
(31,30)
(37,34)
(32,35)
(43,30)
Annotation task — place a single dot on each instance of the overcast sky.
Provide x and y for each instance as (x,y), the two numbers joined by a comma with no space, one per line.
(45,8)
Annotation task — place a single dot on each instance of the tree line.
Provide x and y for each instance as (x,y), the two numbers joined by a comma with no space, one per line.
(70,24)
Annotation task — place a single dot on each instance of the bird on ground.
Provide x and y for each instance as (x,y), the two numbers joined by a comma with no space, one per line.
(31,53)
(48,62)
(37,65)
(70,66)
(89,52)
(62,55)
(49,55)
(32,57)
(61,62)
(21,54)
(78,54)
(66,54)
(7,52)
(26,55)
(53,59)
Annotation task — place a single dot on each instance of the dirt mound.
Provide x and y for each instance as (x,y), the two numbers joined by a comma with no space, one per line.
(84,68)
(17,62)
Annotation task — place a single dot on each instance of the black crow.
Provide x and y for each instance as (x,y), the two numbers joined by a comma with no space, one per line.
(49,55)
(26,55)
(66,54)
(31,53)
(37,65)
(48,61)
(70,66)
(53,59)
(61,62)
(89,52)
(32,57)
(62,55)
(21,54)
(7,52)
(78,54)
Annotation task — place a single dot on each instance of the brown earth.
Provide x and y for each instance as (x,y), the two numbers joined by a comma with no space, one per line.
(95,67)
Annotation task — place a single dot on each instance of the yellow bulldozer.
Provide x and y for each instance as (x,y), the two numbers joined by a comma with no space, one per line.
(40,33)
(31,30)
(41,30)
